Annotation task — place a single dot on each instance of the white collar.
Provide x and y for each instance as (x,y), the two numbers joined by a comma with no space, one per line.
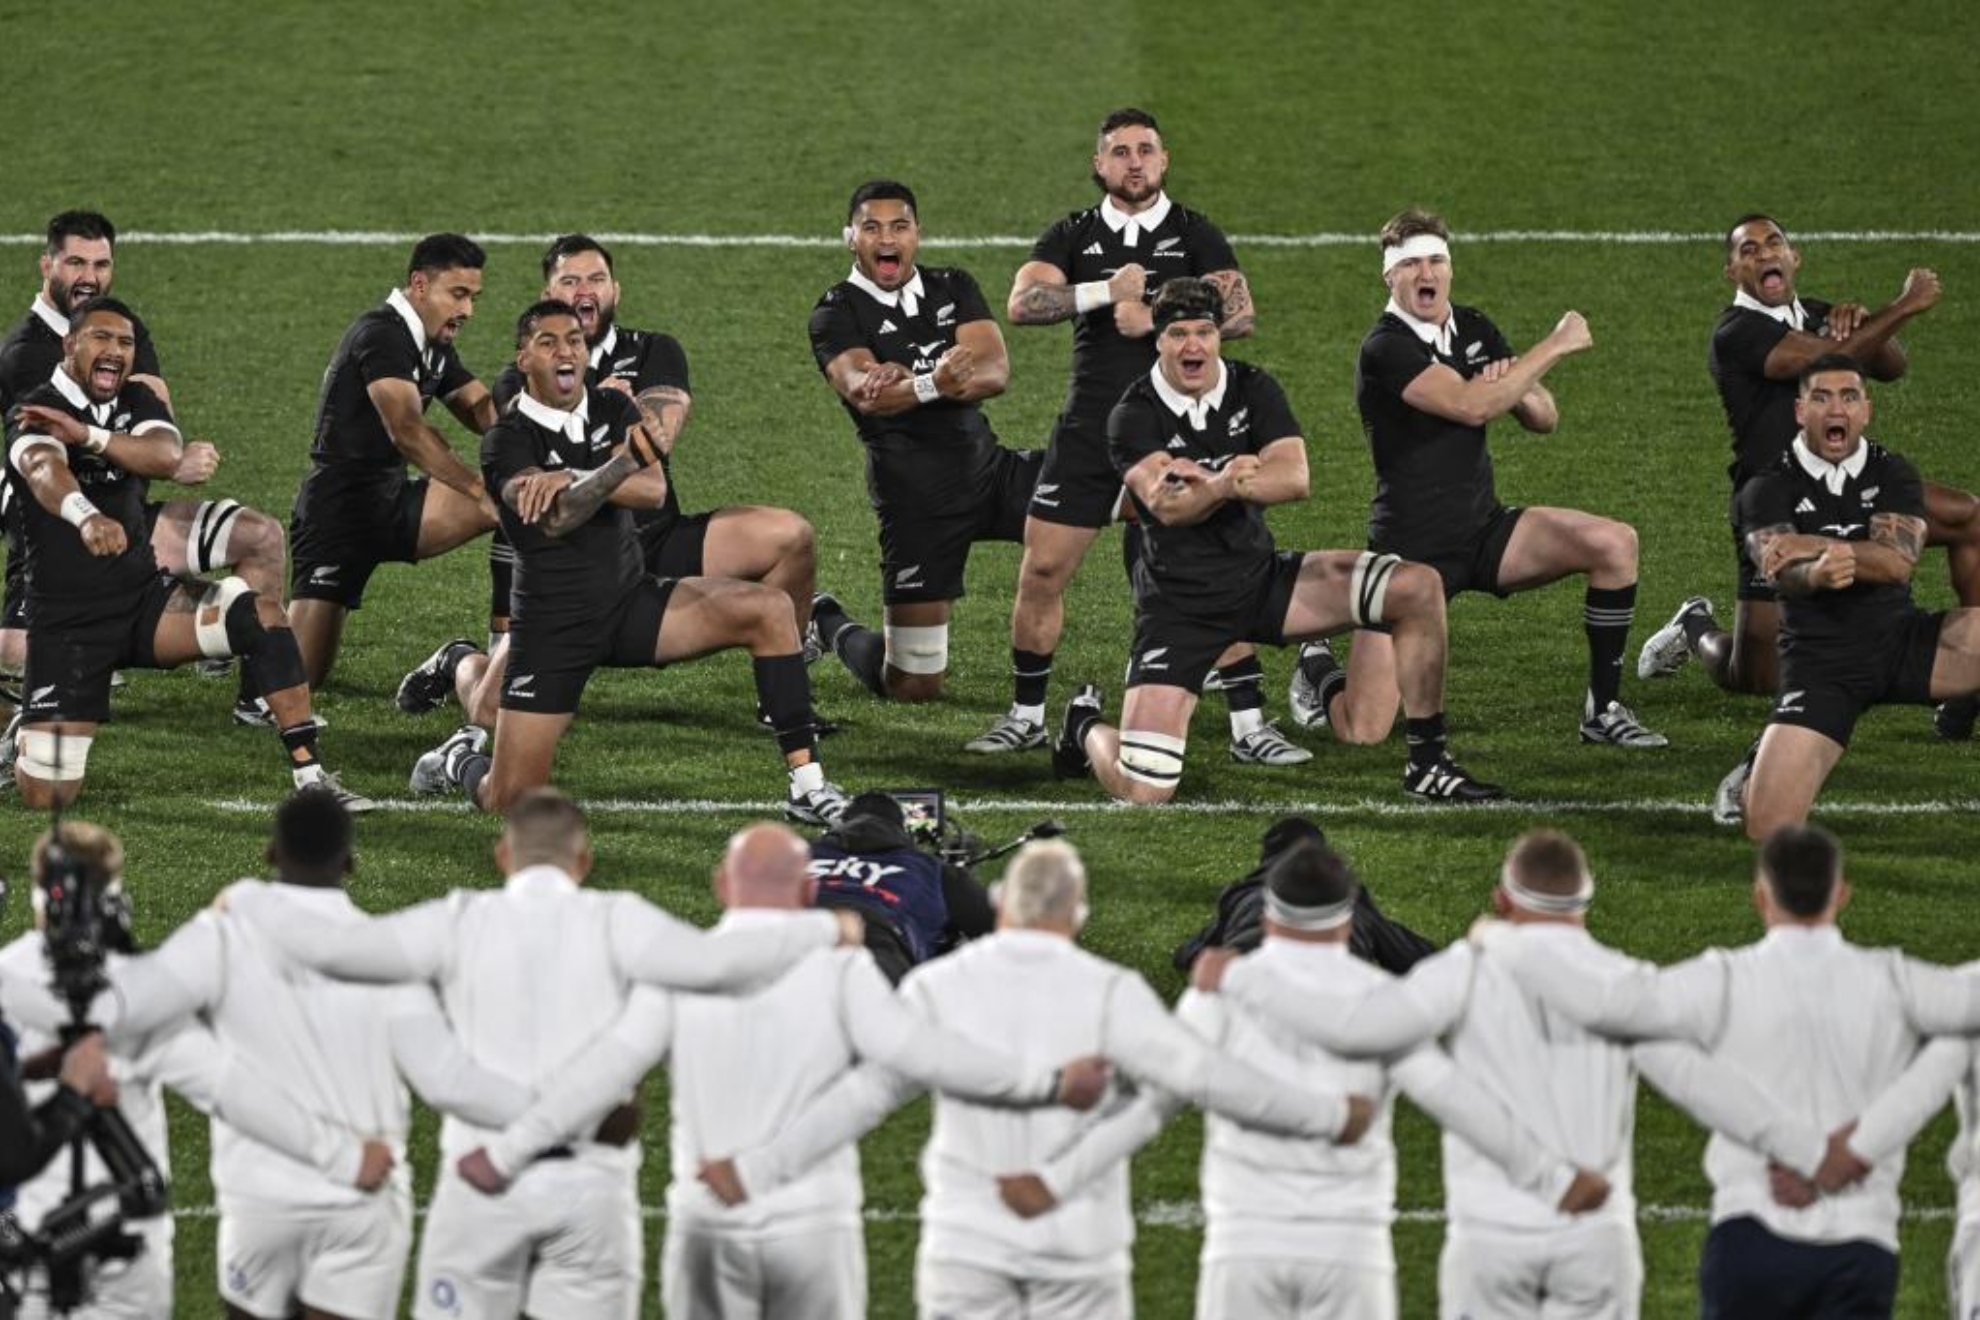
(396,300)
(1132,227)
(571,423)
(1196,410)
(1794,316)
(907,298)
(1831,475)
(68,388)
(1437,336)
(603,349)
(551,878)
(53,319)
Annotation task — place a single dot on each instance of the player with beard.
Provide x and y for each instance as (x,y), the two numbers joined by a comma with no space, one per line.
(357,508)
(571,463)
(1097,268)
(756,543)
(189,536)
(1205,446)
(912,352)
(1431,376)
(78,451)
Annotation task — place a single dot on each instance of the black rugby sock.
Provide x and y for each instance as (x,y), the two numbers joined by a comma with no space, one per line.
(1031,674)
(1244,684)
(783,692)
(861,650)
(1426,740)
(1607,613)
(1698,624)
(472,768)
(300,741)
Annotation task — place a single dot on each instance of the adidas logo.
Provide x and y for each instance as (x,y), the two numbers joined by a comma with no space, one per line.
(555,460)
(1176,442)
(1806,506)
(1094,250)
(889,328)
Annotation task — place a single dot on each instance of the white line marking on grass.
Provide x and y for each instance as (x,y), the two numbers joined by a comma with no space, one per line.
(395,238)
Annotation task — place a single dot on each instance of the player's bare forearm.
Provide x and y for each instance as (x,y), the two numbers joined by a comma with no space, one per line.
(1240,313)
(427,450)
(473,406)
(48,477)
(1872,344)
(1040,303)
(577,502)
(1891,553)
(1538,412)
(665,409)
(1281,475)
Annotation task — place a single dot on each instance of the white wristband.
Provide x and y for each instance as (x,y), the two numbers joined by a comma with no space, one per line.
(925,388)
(1092,295)
(97,440)
(76,508)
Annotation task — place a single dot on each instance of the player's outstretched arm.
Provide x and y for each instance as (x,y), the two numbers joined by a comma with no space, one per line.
(1386,1018)
(1095,1150)
(413,944)
(397,402)
(1869,337)
(1604,991)
(45,467)
(439,1066)
(1894,1119)
(845,1111)
(651,945)
(473,406)
(1465,1109)
(151,448)
(1723,1098)
(1938,1001)
(1442,392)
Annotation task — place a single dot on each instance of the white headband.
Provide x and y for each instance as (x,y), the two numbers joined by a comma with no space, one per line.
(1324,916)
(1551,905)
(1421,245)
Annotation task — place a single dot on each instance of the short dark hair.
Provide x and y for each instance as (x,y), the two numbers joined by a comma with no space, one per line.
(1311,874)
(1128,117)
(313,831)
(1548,862)
(537,311)
(1187,298)
(1749,218)
(102,302)
(80,224)
(438,252)
(1801,865)
(1826,363)
(569,245)
(882,190)
(1405,225)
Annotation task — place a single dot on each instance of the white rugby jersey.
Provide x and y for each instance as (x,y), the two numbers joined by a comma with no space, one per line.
(1827,1024)
(1045,1000)
(745,1066)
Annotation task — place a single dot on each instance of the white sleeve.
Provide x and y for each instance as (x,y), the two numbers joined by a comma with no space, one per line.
(654,946)
(1141,1039)
(438,1066)
(845,1111)
(1938,1001)
(1604,991)
(1725,1100)
(153,990)
(415,944)
(18,450)
(588,1087)
(1384,1018)
(1098,1147)
(886,1029)
(1895,1118)
(1468,1110)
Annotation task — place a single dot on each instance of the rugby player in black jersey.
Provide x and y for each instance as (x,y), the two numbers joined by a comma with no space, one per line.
(1204,446)
(1097,268)
(571,463)
(1760,346)
(79,450)
(1836,524)
(912,352)
(1431,376)
(758,543)
(357,508)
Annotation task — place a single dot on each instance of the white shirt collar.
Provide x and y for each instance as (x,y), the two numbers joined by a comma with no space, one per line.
(1437,336)
(571,423)
(907,298)
(553,879)
(53,319)
(1831,475)
(1826,934)
(1196,410)
(66,386)
(1132,227)
(396,300)
(603,349)
(1794,316)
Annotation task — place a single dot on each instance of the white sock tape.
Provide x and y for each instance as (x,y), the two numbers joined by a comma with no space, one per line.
(918,650)
(210,616)
(1368,587)
(53,758)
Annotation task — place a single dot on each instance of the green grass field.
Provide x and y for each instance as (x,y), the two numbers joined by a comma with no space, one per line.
(1282,120)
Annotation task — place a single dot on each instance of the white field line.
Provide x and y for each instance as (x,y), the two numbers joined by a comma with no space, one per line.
(1344,807)
(393,238)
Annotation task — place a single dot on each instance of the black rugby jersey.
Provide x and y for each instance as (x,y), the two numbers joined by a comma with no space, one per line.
(33,349)
(579,577)
(1759,411)
(1795,491)
(380,345)
(1433,477)
(1085,247)
(65,582)
(932,459)
(1215,566)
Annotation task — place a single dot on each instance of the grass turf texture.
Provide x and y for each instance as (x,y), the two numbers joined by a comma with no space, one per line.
(1321,118)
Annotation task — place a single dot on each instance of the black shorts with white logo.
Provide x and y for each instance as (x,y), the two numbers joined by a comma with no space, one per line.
(69,664)
(1177,651)
(548,668)
(676,550)
(1828,691)
(923,559)
(1078,486)
(1473,565)
(347,522)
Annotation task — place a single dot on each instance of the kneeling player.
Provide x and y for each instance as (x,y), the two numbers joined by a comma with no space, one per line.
(571,464)
(79,450)
(1205,446)
(1837,525)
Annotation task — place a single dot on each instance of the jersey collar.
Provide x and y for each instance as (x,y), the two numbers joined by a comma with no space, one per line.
(1196,410)
(603,348)
(66,386)
(51,318)
(396,300)
(1132,227)
(1436,336)
(571,423)
(549,879)
(1831,475)
(907,298)
(1794,316)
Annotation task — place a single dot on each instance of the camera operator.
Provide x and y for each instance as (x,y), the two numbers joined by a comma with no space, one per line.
(31,1134)
(916,904)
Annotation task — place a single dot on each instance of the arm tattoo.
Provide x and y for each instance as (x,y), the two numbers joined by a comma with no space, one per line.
(1042,304)
(1236,292)
(1760,538)
(665,409)
(1902,532)
(576,502)
(1793,580)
